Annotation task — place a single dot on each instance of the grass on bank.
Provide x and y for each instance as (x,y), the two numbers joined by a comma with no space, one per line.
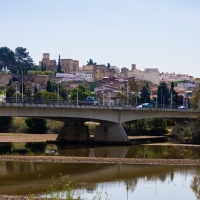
(19,126)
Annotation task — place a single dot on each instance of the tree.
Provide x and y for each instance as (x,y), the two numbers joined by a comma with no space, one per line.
(59,65)
(42,67)
(7,58)
(5,123)
(23,60)
(173,94)
(21,88)
(90,62)
(28,91)
(49,88)
(195,100)
(108,65)
(10,91)
(35,89)
(36,125)
(144,96)
(163,94)
(129,92)
(83,92)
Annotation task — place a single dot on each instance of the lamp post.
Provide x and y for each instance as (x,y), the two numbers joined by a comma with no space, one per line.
(171,100)
(58,82)
(16,91)
(22,87)
(127,94)
(77,95)
(157,99)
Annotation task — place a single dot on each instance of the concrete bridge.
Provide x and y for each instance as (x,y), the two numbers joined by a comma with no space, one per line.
(110,118)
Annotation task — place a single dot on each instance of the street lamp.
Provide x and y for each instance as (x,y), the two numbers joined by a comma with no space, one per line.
(22,87)
(103,97)
(16,91)
(58,82)
(77,95)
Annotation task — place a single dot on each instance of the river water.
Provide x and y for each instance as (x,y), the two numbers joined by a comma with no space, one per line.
(92,180)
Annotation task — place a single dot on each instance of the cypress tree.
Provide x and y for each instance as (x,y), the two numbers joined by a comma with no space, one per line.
(42,67)
(23,88)
(49,88)
(59,66)
(35,89)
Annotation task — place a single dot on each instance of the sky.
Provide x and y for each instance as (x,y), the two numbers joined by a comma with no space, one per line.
(163,34)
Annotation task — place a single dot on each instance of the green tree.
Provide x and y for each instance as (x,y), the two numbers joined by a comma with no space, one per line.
(23,60)
(28,91)
(90,62)
(10,90)
(21,88)
(163,94)
(36,125)
(173,94)
(7,58)
(83,92)
(42,67)
(144,96)
(35,89)
(5,123)
(195,100)
(59,65)
(49,88)
(129,92)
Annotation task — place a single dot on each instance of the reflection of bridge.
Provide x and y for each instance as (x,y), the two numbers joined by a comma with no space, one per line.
(74,117)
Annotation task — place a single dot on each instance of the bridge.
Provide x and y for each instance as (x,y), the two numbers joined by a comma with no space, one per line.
(74,116)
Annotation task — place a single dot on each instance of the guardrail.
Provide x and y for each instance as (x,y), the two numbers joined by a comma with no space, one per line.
(81,103)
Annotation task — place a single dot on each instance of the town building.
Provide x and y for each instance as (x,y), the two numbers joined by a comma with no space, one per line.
(47,63)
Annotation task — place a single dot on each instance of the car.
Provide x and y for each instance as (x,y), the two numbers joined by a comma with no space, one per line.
(182,107)
(145,105)
(91,101)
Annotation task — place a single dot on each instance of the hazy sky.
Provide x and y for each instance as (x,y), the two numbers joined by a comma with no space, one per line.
(163,34)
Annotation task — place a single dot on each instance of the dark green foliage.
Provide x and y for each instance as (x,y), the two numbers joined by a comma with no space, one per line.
(36,125)
(163,94)
(37,95)
(173,94)
(63,92)
(10,90)
(21,88)
(83,92)
(144,96)
(36,147)
(49,88)
(7,58)
(9,83)
(42,67)
(108,65)
(90,62)
(23,61)
(59,65)
(149,126)
(35,89)
(5,123)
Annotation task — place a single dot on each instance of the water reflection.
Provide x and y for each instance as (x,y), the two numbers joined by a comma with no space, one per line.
(116,179)
(136,151)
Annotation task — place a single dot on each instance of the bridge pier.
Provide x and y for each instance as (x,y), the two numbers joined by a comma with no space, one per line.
(74,132)
(110,133)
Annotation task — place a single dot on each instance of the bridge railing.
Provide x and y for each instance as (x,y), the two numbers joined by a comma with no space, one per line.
(17,101)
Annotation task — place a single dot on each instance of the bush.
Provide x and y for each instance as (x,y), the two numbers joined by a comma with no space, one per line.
(36,125)
(5,124)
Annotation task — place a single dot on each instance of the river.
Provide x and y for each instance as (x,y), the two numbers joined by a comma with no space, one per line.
(119,181)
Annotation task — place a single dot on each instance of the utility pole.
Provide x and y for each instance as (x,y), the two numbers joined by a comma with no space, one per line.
(127,93)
